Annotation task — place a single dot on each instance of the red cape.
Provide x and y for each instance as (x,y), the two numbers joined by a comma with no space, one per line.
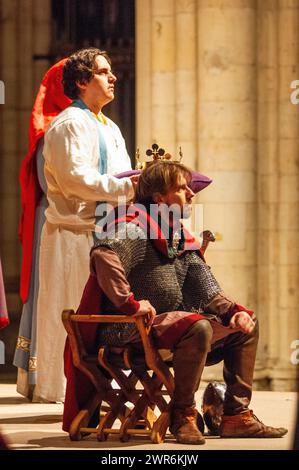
(50,101)
(79,389)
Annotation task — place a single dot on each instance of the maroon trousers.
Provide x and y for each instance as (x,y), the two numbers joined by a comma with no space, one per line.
(207,343)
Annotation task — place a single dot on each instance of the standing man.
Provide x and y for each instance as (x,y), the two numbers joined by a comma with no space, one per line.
(83,149)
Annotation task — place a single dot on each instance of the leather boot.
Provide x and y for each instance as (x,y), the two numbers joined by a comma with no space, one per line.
(239,359)
(247,425)
(184,426)
(189,358)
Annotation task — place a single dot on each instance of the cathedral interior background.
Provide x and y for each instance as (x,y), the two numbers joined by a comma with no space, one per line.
(212,76)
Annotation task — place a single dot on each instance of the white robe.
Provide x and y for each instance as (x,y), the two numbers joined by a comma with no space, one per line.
(71,154)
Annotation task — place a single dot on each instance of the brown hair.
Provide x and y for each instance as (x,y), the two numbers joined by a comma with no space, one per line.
(159,178)
(80,67)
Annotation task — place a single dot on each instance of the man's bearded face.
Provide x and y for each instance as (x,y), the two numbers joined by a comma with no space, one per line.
(179,198)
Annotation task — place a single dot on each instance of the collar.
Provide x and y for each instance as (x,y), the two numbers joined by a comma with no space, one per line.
(157,229)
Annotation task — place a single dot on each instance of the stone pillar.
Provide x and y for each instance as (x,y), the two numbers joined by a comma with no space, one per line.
(278,220)
(9,163)
(268,178)
(166,76)
(186,90)
(41,28)
(143,74)
(227,139)
(287,317)
(24,32)
(163,68)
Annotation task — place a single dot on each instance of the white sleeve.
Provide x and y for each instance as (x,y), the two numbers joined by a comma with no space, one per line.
(70,155)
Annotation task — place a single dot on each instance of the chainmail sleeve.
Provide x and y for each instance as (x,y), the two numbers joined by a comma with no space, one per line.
(200,286)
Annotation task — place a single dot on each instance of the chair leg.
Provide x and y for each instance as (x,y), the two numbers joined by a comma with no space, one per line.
(118,410)
(160,427)
(79,424)
(141,409)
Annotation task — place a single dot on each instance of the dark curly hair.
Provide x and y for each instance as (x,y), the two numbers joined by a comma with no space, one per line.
(80,67)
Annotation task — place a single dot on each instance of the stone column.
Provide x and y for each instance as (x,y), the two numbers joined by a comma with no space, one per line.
(287,318)
(25,31)
(9,163)
(163,68)
(278,220)
(143,74)
(41,29)
(227,139)
(186,90)
(268,179)
(166,76)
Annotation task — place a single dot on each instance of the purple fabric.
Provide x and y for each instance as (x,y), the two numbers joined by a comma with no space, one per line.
(198,183)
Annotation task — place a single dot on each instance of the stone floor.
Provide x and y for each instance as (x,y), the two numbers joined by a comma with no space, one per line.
(34,426)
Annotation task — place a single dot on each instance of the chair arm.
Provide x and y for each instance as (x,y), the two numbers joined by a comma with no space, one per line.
(69,316)
(104,318)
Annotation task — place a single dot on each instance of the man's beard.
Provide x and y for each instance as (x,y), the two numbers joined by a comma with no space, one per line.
(186,211)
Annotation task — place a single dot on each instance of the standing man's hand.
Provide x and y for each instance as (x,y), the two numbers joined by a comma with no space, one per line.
(242,321)
(147,309)
(134,180)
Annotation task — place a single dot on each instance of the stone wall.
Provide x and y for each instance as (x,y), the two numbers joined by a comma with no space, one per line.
(24,41)
(214,77)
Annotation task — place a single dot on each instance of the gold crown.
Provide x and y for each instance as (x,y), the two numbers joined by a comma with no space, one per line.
(157,154)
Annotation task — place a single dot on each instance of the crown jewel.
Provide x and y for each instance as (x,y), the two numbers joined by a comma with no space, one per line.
(157,153)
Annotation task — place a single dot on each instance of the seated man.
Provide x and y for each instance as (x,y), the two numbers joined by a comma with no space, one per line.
(148,262)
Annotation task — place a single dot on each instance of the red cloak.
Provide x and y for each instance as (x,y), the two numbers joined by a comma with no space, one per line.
(50,101)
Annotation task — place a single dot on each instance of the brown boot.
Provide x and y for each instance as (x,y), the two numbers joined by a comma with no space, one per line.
(247,425)
(184,426)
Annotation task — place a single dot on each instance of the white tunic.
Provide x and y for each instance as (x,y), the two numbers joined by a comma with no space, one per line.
(71,154)
(71,168)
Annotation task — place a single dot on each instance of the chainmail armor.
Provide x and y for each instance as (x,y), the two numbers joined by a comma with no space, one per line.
(182,283)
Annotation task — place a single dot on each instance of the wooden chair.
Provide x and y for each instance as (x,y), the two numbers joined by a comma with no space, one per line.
(144,380)
(140,384)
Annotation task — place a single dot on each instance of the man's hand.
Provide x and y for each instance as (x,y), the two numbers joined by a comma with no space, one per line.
(242,321)
(146,308)
(134,180)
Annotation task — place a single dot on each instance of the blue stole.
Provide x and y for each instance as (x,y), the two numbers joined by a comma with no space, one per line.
(102,144)
(102,153)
